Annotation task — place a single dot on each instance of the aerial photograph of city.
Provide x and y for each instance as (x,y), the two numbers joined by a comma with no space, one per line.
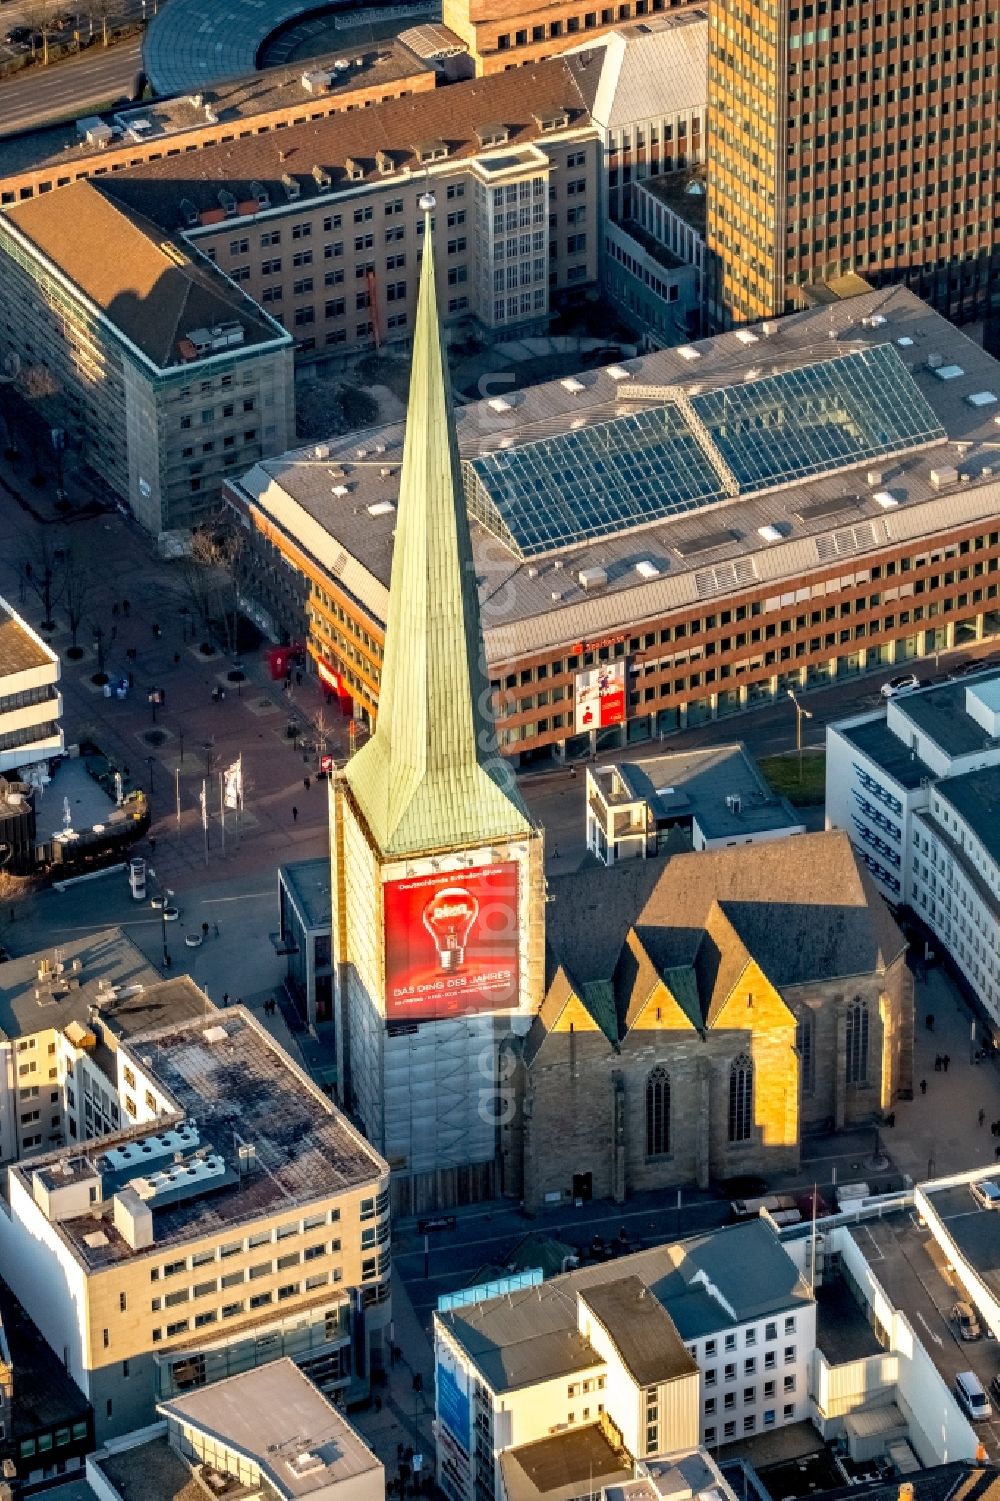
(500,750)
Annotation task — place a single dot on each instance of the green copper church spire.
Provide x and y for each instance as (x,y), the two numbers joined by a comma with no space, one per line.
(431,777)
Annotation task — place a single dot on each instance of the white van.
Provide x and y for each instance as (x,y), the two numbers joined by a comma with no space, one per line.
(971,1396)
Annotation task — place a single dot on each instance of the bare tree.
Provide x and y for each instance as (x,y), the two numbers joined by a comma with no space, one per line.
(103,11)
(40,389)
(218,547)
(38,16)
(44,572)
(78,586)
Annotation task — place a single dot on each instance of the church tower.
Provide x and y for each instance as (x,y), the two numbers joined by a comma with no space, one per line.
(437,869)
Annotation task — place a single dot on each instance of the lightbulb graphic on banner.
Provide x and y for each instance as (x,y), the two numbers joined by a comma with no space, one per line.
(448,918)
(451,942)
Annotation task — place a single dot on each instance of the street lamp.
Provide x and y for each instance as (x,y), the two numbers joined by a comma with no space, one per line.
(165,895)
(800,714)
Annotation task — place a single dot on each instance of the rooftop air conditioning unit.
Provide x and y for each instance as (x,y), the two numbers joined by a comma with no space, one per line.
(592,578)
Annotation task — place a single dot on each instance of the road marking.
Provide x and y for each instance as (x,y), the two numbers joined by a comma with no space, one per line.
(876,1248)
(935,1337)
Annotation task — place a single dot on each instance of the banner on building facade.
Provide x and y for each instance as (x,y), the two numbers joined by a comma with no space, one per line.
(451,943)
(600,696)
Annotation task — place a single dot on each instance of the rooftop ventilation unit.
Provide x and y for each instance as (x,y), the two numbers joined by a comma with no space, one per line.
(618,373)
(934,361)
(981,399)
(647,569)
(734,803)
(769,533)
(499,404)
(381,508)
(340,490)
(747,336)
(905,342)
(948,372)
(885,499)
(592,578)
(213,1035)
(181,1138)
(321,451)
(946,475)
(317,81)
(192,1173)
(572,385)
(688,352)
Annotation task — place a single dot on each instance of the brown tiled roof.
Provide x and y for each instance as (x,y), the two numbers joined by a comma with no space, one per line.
(18,649)
(396,127)
(150,289)
(803,907)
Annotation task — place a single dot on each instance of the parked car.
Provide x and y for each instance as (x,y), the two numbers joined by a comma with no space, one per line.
(16,34)
(902,684)
(964,1316)
(984,664)
(986,1193)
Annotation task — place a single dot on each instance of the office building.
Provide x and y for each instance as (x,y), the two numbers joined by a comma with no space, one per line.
(304,936)
(231,1216)
(51,1092)
(844,142)
(165,375)
(436,866)
(702,799)
(54,156)
(701,1015)
(46,1423)
(30,701)
(916,785)
(704,1341)
(646,562)
(502,37)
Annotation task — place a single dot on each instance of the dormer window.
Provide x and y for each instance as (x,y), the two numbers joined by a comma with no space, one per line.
(354,169)
(321,177)
(493,135)
(554,120)
(430,151)
(384,162)
(292,186)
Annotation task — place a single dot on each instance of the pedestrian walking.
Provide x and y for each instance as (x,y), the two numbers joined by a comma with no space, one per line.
(929,1021)
(225,997)
(114,610)
(923,1086)
(937,1063)
(157,632)
(298,678)
(114,632)
(204,930)
(306,782)
(131,679)
(215,927)
(126,607)
(295,814)
(982,1116)
(177,659)
(946,1059)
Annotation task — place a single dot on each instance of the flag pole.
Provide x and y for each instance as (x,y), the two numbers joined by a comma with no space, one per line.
(222,811)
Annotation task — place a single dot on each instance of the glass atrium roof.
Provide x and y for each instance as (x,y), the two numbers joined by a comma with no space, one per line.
(641,467)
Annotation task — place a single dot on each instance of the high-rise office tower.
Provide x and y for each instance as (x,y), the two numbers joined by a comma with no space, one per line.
(851,137)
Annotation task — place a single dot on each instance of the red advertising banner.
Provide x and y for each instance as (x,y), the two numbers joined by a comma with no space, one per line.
(451,943)
(600,697)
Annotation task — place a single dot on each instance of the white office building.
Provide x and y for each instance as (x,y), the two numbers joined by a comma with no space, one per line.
(881,768)
(706,1341)
(30,701)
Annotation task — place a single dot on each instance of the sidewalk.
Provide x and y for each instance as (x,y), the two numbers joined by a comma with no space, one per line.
(193,737)
(939,1132)
(406,1417)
